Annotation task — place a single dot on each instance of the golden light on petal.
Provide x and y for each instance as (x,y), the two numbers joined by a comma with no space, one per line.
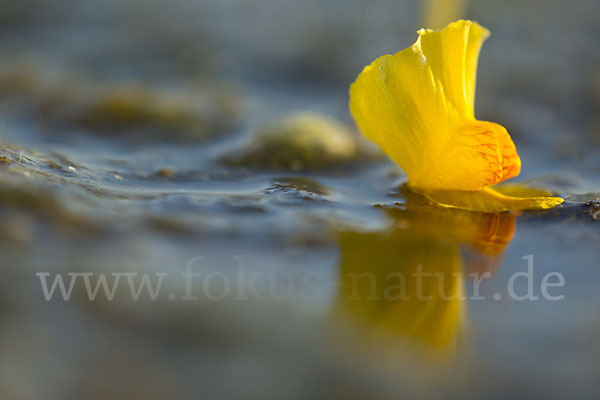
(418,106)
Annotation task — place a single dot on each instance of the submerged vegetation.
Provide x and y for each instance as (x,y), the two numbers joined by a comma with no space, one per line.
(133,110)
(301,141)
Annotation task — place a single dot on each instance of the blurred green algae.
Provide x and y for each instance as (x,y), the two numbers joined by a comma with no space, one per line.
(301,141)
(139,110)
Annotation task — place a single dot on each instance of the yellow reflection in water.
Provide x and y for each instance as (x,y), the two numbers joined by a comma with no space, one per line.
(408,281)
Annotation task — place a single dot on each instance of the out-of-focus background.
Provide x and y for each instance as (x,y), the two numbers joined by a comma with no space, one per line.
(150,138)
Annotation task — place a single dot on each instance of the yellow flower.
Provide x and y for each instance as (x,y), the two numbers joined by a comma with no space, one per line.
(418,105)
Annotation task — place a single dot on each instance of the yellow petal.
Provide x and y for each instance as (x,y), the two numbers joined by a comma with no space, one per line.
(490,200)
(520,190)
(418,103)
(451,56)
(480,154)
(511,162)
(418,106)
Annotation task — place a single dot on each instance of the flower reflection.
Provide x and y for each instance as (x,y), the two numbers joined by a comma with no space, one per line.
(408,281)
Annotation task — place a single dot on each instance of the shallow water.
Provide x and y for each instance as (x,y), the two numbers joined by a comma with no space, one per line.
(302,270)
